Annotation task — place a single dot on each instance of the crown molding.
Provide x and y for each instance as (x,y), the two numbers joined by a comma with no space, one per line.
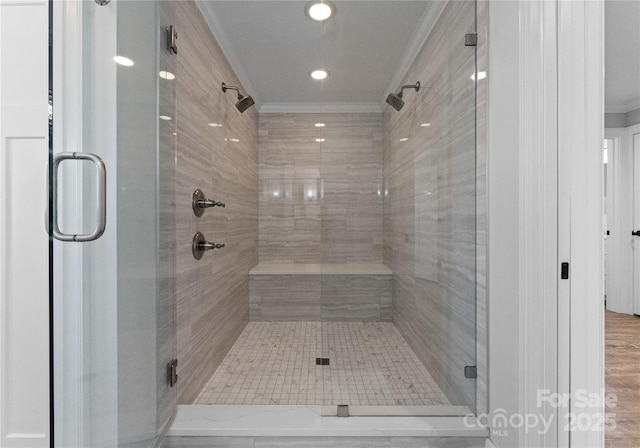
(227,49)
(316,108)
(622,107)
(419,37)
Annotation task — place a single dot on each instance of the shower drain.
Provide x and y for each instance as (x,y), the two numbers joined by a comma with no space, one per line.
(322,361)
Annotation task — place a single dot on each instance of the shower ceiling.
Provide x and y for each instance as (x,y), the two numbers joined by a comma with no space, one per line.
(367,47)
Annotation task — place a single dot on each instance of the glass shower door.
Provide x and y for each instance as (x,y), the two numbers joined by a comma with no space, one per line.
(398,296)
(112,219)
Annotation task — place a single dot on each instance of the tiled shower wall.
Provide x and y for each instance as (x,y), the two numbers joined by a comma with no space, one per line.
(213,293)
(430,207)
(320,202)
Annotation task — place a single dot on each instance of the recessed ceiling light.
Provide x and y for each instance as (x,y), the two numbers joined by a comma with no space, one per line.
(167,75)
(215,125)
(165,117)
(404,139)
(319,74)
(319,125)
(320,140)
(425,125)
(123,61)
(320,10)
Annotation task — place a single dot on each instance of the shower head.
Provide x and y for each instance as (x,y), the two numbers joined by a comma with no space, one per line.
(244,101)
(395,99)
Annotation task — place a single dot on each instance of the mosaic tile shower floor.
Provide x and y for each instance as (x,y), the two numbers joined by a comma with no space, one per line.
(274,363)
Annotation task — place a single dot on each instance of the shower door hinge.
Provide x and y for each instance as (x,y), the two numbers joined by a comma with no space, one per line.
(172,37)
(470,40)
(470,372)
(172,372)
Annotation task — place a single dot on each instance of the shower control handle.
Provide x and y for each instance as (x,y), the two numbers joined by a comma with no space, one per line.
(199,203)
(200,245)
(206,203)
(635,232)
(209,246)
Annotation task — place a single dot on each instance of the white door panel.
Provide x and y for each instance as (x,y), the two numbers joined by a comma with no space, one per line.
(24,262)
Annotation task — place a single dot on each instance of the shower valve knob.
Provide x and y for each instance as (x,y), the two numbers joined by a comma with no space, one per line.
(206,203)
(199,203)
(208,246)
(200,245)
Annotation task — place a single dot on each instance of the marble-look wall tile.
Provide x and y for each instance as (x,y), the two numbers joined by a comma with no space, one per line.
(320,297)
(320,201)
(284,297)
(430,205)
(356,298)
(212,293)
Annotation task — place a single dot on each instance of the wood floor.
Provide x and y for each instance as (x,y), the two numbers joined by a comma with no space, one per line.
(622,377)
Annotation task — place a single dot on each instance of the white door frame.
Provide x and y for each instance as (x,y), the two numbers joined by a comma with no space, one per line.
(522,220)
(581,128)
(540,287)
(24,243)
(545,208)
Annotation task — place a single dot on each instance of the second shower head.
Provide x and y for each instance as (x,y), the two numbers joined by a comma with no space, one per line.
(395,99)
(244,101)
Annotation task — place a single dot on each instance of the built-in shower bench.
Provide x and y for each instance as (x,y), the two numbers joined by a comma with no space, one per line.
(320,292)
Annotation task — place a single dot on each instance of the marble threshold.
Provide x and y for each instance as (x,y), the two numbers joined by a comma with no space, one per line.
(399,410)
(320,269)
(307,421)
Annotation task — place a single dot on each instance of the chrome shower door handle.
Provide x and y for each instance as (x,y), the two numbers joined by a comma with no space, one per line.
(101,184)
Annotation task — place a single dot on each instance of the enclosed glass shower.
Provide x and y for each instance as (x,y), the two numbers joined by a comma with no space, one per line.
(350,267)
(364,291)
